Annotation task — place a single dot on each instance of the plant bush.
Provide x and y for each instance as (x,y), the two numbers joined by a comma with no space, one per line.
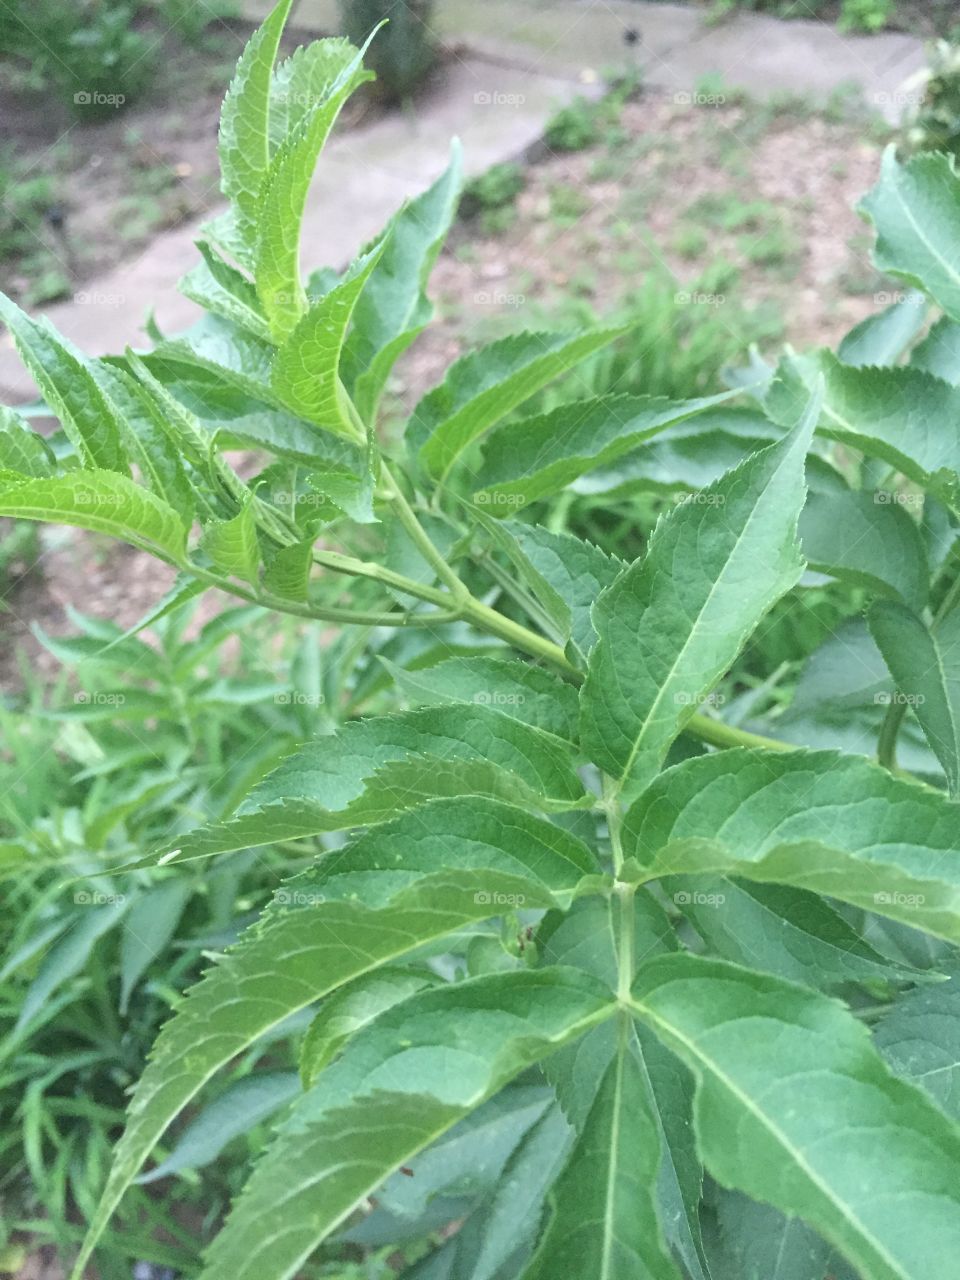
(406,49)
(933,124)
(610,972)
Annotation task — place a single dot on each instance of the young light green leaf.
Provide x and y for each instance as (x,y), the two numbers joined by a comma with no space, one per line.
(241,1107)
(528,460)
(245,124)
(372,768)
(281,203)
(400,1084)
(795,1108)
(915,208)
(866,539)
(484,386)
(301,81)
(834,824)
(925,663)
(232,357)
(103,501)
(220,288)
(605,1222)
(146,434)
(306,373)
(22,450)
(233,546)
(287,573)
(393,309)
(674,621)
(69,388)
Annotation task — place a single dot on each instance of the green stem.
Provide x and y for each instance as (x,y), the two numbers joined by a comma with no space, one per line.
(380,573)
(318,614)
(418,536)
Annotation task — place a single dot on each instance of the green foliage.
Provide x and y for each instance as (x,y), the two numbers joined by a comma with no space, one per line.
(865,15)
(406,50)
(491,196)
(600,937)
(933,122)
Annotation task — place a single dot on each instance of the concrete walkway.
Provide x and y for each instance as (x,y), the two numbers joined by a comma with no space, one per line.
(514,62)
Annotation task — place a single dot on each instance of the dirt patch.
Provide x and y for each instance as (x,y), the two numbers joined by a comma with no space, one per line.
(750,210)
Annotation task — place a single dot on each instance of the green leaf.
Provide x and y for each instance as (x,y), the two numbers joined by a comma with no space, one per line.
(782,930)
(589,936)
(762,1244)
(103,501)
(372,768)
(393,309)
(796,1109)
(306,373)
(301,81)
(887,413)
(352,1008)
(69,953)
(516,689)
(233,546)
(484,386)
(866,539)
(565,573)
(493,845)
(939,352)
(147,436)
(920,1039)
(298,956)
(834,824)
(233,357)
(605,1221)
(675,620)
(925,663)
(241,1107)
(528,460)
(69,388)
(281,203)
(244,126)
(147,929)
(400,1084)
(287,574)
(21,449)
(915,208)
(883,338)
(220,288)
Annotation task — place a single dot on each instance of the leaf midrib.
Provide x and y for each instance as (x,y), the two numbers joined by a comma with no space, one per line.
(695,626)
